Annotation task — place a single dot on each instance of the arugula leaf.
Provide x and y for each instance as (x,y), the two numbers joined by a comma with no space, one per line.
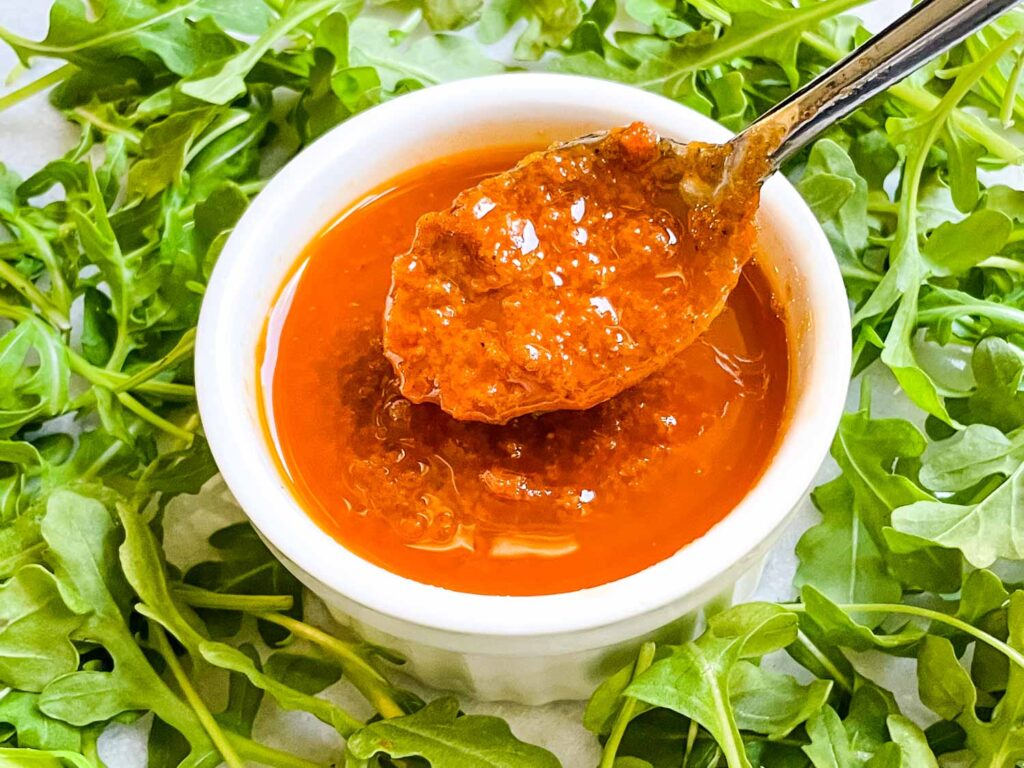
(983,531)
(141,29)
(226,657)
(970,456)
(998,368)
(224,81)
(35,625)
(246,567)
(34,365)
(695,679)
(184,107)
(32,728)
(548,23)
(443,738)
(947,689)
(773,704)
(428,61)
(955,246)
(868,450)
(839,557)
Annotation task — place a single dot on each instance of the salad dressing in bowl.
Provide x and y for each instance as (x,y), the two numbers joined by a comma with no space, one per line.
(544,503)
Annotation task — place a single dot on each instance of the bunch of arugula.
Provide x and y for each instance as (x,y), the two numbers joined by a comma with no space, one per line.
(186,107)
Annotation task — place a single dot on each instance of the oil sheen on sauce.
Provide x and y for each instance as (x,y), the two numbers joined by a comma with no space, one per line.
(543,504)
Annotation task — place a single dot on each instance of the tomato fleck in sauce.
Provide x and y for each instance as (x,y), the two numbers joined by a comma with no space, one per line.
(540,505)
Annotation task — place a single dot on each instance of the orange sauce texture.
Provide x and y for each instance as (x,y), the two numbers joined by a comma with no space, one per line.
(543,504)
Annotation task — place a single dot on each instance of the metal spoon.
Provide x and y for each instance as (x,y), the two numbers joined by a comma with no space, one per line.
(469,319)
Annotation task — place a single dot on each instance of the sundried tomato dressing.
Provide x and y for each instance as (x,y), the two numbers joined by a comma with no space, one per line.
(543,504)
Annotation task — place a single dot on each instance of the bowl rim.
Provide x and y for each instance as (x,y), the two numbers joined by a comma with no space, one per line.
(278,516)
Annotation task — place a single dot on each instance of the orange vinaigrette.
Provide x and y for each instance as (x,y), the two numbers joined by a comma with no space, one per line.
(543,504)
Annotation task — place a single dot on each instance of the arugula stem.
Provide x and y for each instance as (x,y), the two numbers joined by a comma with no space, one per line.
(96,121)
(213,730)
(859,273)
(691,740)
(122,346)
(834,672)
(711,11)
(367,680)
(1010,96)
(926,613)
(101,461)
(1001,262)
(182,350)
(204,598)
(1003,313)
(34,296)
(58,75)
(611,747)
(121,382)
(264,755)
(215,133)
(159,422)
(90,737)
(925,101)
(44,252)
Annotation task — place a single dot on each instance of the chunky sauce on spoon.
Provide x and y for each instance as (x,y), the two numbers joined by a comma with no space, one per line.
(572,277)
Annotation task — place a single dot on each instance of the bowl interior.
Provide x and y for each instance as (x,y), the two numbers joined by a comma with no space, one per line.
(368,150)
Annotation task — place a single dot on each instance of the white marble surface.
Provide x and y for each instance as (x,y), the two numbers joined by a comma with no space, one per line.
(32,133)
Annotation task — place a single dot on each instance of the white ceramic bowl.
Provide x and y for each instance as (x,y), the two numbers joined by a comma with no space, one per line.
(529,649)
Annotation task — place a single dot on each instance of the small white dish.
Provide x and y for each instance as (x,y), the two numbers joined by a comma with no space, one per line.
(527,649)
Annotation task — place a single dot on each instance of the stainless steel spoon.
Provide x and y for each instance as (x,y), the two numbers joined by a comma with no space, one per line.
(930,28)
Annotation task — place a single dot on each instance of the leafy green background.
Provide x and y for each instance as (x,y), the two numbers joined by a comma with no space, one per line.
(177,115)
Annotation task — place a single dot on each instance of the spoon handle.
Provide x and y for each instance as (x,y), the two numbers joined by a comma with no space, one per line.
(921,34)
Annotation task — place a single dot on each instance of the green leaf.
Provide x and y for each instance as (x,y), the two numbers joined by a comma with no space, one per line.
(548,23)
(998,368)
(838,628)
(838,195)
(308,674)
(963,155)
(163,151)
(947,689)
(35,758)
(830,745)
(141,29)
(34,366)
(869,451)
(427,61)
(912,743)
(970,456)
(773,704)
(955,247)
(224,81)
(451,14)
(83,547)
(35,625)
(85,697)
(226,657)
(33,728)
(695,680)
(445,740)
(244,698)
(838,557)
(984,531)
(245,566)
